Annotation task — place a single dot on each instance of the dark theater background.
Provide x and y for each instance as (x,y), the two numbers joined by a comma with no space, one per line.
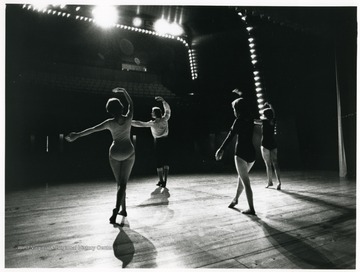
(60,72)
(61,65)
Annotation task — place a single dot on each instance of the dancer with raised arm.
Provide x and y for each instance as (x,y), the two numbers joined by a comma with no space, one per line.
(242,127)
(160,130)
(269,145)
(121,152)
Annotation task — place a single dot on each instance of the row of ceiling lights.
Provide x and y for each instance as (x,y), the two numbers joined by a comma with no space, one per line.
(253,56)
(106,17)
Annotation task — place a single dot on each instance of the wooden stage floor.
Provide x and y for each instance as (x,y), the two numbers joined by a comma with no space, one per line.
(310,224)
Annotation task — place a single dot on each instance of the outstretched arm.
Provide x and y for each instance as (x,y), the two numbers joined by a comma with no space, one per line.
(75,135)
(136,123)
(130,112)
(167,109)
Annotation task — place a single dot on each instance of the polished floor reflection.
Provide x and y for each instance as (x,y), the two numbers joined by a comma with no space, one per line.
(309,224)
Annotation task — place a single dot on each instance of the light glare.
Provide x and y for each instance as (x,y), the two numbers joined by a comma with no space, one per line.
(137,22)
(105,16)
(163,27)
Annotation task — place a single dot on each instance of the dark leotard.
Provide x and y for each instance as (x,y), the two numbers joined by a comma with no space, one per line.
(244,147)
(268,138)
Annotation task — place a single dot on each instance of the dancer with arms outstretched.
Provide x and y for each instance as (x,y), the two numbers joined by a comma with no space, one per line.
(121,152)
(160,130)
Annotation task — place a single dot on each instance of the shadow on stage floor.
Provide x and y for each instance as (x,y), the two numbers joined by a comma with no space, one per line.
(309,224)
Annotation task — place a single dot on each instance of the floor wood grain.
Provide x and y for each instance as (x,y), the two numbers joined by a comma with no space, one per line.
(310,224)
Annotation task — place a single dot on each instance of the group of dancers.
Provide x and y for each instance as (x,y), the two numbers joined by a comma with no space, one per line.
(122,151)
(245,154)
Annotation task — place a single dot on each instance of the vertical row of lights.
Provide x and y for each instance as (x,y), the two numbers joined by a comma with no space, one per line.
(193,65)
(104,22)
(256,73)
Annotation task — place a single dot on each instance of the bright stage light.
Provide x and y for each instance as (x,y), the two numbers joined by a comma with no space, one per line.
(40,6)
(105,16)
(161,26)
(137,22)
(176,29)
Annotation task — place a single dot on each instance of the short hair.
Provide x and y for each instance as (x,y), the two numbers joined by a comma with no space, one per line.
(157,112)
(114,107)
(268,113)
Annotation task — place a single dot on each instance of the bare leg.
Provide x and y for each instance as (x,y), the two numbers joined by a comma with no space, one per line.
(122,171)
(239,189)
(274,161)
(267,159)
(243,169)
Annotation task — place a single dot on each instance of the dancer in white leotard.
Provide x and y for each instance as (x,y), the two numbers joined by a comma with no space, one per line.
(121,152)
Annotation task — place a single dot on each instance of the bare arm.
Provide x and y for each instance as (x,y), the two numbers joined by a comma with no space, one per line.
(220,152)
(167,109)
(75,135)
(227,140)
(258,122)
(136,123)
(130,112)
(268,105)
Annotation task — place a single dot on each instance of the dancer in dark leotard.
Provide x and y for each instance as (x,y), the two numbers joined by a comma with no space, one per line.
(244,151)
(268,144)
(121,152)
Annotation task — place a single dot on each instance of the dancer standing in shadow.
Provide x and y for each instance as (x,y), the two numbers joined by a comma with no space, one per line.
(242,127)
(121,152)
(160,130)
(269,145)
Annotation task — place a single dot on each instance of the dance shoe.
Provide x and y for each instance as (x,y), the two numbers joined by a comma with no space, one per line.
(250,212)
(233,203)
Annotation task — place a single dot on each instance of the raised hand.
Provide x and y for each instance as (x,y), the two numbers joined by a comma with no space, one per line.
(118,90)
(219,154)
(159,98)
(71,137)
(236,91)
